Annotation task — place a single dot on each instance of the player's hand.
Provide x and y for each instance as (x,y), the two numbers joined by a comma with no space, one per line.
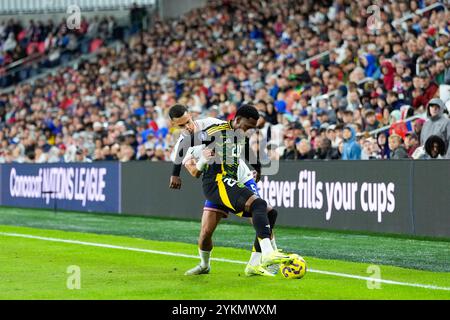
(208,154)
(175,182)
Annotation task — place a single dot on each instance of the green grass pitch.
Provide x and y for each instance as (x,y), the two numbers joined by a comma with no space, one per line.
(132,258)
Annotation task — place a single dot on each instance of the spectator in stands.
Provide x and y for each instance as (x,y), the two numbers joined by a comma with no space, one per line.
(447,68)
(365,149)
(370,121)
(393,101)
(388,71)
(374,149)
(290,151)
(326,151)
(407,90)
(272,152)
(437,124)
(412,142)
(429,88)
(396,147)
(352,150)
(417,126)
(435,147)
(137,16)
(347,117)
(223,55)
(383,145)
(332,136)
(10,44)
(305,151)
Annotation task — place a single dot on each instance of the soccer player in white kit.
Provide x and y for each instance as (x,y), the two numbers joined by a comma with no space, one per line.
(213,213)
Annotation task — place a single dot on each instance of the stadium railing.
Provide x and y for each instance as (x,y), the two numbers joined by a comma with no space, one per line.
(418,12)
(386,128)
(307,62)
(330,94)
(419,60)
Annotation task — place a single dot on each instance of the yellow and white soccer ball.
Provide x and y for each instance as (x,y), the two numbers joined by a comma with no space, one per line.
(294,270)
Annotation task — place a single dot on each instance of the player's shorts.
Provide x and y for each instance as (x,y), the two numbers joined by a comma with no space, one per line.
(227,195)
(251,185)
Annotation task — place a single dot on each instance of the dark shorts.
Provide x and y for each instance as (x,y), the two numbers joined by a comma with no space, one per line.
(225,194)
(251,185)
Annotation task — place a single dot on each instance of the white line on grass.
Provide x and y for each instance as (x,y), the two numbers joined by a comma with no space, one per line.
(110,246)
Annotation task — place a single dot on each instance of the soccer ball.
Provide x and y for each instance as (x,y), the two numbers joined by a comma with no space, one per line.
(294,270)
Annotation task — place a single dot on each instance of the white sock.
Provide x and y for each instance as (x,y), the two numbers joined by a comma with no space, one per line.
(274,244)
(204,257)
(266,246)
(255,259)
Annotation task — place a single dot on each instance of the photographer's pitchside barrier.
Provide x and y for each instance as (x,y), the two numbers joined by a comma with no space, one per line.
(402,197)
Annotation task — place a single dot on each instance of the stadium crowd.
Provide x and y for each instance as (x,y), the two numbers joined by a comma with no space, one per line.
(216,58)
(49,43)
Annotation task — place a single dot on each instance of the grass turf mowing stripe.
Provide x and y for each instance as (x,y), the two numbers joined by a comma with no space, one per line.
(376,249)
(102,245)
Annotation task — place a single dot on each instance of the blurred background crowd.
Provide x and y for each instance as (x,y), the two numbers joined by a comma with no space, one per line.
(350,101)
(49,44)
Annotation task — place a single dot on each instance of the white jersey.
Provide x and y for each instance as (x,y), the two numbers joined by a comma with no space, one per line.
(244,174)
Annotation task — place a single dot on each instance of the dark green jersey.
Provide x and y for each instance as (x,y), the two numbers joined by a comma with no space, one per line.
(229,147)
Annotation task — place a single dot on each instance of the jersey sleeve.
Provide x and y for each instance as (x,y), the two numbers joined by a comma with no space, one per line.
(186,144)
(176,166)
(208,122)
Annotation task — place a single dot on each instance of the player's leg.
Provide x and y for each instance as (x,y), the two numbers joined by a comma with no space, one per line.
(272,214)
(211,217)
(256,250)
(254,264)
(258,210)
(255,257)
(237,197)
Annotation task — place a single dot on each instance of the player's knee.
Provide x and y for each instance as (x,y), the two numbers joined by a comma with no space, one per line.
(258,206)
(273,214)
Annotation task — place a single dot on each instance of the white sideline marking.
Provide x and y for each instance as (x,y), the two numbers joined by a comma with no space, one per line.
(110,246)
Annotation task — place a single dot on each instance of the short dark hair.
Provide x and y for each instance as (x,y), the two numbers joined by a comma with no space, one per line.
(177,111)
(348,112)
(248,111)
(370,113)
(262,102)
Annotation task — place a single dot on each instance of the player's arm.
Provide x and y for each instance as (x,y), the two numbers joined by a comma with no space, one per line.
(175,180)
(195,139)
(180,152)
(193,166)
(252,159)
